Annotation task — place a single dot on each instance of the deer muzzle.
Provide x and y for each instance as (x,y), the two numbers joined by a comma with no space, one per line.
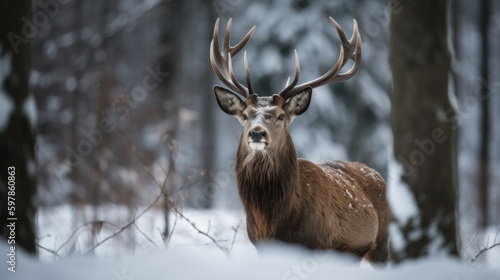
(257,138)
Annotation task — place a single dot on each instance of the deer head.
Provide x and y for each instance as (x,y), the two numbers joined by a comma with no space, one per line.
(266,119)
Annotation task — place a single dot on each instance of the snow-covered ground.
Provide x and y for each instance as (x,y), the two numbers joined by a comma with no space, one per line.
(209,244)
(223,231)
(276,263)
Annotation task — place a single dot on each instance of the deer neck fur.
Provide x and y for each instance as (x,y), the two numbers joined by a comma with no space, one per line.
(267,181)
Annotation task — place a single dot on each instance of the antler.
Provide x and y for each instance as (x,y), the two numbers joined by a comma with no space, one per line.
(221,60)
(350,49)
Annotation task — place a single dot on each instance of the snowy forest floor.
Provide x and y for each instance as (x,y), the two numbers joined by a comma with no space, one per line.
(203,244)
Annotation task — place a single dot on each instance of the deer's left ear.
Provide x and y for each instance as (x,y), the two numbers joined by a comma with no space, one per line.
(299,102)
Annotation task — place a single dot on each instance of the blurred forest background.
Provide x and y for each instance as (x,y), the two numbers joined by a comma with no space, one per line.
(125,103)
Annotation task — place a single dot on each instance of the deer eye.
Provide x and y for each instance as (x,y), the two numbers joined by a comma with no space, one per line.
(281,117)
(245,117)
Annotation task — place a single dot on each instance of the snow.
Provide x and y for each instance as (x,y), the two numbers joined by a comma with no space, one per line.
(401,199)
(270,60)
(403,205)
(348,193)
(452,94)
(70,84)
(53,103)
(56,229)
(29,109)
(7,104)
(378,100)
(31,167)
(276,262)
(190,256)
(67,39)
(397,238)
(317,145)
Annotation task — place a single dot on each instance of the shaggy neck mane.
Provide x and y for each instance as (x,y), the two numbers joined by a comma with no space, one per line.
(266,179)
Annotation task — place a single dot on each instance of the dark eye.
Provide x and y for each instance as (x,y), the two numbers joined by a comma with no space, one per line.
(281,117)
(245,117)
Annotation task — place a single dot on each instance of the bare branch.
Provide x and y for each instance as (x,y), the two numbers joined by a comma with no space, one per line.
(482,251)
(149,239)
(73,234)
(130,223)
(48,250)
(193,225)
(470,243)
(169,237)
(235,229)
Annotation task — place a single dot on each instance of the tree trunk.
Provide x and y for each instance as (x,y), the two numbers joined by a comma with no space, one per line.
(207,121)
(484,147)
(171,37)
(17,127)
(79,180)
(424,139)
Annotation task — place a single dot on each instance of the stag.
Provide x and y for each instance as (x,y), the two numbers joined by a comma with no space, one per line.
(335,205)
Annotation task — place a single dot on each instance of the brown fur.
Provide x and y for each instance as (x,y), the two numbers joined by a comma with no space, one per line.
(336,205)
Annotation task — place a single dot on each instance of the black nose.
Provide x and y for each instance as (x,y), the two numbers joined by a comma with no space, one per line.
(256,135)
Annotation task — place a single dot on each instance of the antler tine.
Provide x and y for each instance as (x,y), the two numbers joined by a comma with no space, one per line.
(221,60)
(243,41)
(241,88)
(288,85)
(214,64)
(354,53)
(325,78)
(347,44)
(350,49)
(247,74)
(227,35)
(215,46)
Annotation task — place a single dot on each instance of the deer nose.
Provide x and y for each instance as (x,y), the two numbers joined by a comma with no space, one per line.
(257,135)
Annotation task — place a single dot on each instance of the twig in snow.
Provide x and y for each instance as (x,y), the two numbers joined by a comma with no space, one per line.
(48,250)
(125,226)
(470,243)
(235,233)
(169,237)
(73,234)
(486,248)
(149,239)
(193,225)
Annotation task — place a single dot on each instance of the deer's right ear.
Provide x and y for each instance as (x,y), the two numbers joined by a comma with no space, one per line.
(229,102)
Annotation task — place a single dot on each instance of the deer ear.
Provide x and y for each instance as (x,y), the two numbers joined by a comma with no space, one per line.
(228,101)
(299,102)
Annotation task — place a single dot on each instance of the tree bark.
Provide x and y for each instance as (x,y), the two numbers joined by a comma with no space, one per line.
(208,141)
(424,136)
(484,145)
(171,36)
(17,134)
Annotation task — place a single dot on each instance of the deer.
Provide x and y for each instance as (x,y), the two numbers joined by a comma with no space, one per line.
(335,205)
